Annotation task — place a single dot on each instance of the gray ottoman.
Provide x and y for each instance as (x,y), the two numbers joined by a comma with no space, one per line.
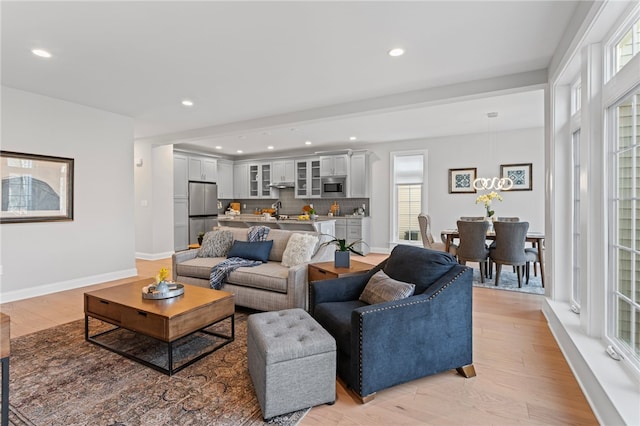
(292,361)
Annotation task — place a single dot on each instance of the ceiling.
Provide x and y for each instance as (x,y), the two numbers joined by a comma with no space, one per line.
(282,73)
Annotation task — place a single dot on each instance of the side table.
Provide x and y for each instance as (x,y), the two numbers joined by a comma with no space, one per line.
(5,351)
(327,270)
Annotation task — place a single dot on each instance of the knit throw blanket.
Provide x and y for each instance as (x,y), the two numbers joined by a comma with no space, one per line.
(221,271)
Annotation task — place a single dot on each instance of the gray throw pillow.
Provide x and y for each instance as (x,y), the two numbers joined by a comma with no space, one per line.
(216,244)
(382,288)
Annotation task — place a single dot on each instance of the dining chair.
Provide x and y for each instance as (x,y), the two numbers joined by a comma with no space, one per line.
(536,251)
(509,248)
(424,221)
(472,218)
(473,247)
(508,219)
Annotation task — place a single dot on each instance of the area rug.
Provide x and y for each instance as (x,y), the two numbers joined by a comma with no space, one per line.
(509,281)
(57,378)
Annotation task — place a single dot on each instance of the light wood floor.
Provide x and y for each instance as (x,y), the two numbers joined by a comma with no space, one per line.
(522,377)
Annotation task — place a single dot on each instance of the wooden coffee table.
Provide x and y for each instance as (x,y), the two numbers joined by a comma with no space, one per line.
(327,270)
(167,320)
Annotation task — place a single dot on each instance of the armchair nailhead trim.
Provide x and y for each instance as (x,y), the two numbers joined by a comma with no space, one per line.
(360,325)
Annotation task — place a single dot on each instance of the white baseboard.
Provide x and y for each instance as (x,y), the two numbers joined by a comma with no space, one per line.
(66,285)
(610,389)
(153,256)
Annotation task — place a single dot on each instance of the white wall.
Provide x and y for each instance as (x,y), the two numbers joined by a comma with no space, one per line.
(452,152)
(98,245)
(153,201)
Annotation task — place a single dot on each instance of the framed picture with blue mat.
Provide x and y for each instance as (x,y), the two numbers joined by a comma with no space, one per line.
(520,174)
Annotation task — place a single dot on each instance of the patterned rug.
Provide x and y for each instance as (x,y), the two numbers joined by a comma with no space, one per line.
(57,378)
(509,281)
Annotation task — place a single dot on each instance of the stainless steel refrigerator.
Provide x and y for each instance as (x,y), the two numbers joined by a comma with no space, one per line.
(203,208)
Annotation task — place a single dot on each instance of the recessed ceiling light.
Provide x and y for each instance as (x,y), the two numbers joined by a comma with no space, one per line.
(239,151)
(353,138)
(187,102)
(218,147)
(396,52)
(270,147)
(307,143)
(42,53)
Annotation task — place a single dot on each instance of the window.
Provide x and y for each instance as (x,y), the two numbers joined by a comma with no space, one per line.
(407,172)
(576,97)
(627,47)
(575,225)
(624,299)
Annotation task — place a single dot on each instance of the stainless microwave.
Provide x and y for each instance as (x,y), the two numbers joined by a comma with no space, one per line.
(334,187)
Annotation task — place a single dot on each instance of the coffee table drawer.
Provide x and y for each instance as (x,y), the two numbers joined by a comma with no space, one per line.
(144,322)
(103,308)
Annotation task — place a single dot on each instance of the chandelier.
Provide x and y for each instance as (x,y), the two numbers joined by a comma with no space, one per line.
(496,183)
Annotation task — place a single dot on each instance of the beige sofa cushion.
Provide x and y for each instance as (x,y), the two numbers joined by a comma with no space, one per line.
(199,267)
(270,276)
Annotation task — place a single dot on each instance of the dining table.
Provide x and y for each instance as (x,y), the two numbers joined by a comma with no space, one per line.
(534,237)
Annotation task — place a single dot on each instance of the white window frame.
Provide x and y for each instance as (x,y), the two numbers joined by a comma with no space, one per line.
(610,46)
(393,210)
(575,222)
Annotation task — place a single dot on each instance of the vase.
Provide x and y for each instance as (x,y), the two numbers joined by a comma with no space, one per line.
(342,259)
(489,220)
(162,287)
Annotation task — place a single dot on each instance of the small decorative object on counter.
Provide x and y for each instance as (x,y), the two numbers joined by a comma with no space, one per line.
(200,237)
(335,209)
(312,214)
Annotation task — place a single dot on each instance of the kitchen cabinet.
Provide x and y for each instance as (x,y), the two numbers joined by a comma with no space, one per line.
(180,176)
(308,178)
(180,224)
(359,175)
(283,171)
(259,181)
(203,169)
(354,229)
(225,180)
(334,165)
(241,180)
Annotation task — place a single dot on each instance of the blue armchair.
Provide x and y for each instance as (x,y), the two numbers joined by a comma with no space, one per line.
(389,343)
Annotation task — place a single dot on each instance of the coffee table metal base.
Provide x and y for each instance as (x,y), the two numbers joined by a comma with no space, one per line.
(170,370)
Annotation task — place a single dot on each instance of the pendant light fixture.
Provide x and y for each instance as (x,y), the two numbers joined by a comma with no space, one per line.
(497,183)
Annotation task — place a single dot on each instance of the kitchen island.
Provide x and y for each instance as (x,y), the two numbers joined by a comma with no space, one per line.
(323,225)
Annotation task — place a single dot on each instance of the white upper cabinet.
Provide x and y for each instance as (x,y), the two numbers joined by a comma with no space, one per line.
(180,176)
(334,165)
(241,180)
(225,180)
(259,181)
(203,169)
(307,178)
(283,171)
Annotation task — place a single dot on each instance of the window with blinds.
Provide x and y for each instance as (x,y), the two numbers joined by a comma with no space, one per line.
(408,172)
(625,303)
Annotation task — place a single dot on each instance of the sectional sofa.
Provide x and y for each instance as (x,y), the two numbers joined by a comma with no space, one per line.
(267,287)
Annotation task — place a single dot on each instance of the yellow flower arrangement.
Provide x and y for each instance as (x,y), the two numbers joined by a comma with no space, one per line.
(486,199)
(163,274)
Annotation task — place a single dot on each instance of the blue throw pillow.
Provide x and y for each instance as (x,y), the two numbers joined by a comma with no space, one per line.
(258,250)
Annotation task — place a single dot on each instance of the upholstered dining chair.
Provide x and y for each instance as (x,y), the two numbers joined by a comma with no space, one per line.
(472,218)
(509,248)
(473,244)
(424,221)
(508,219)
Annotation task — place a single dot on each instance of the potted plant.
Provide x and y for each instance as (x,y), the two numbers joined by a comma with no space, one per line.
(342,258)
(312,214)
(200,237)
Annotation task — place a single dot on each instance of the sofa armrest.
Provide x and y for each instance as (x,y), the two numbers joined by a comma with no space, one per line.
(394,342)
(180,257)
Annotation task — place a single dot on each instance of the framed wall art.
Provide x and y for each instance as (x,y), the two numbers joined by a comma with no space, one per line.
(520,174)
(35,188)
(461,180)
